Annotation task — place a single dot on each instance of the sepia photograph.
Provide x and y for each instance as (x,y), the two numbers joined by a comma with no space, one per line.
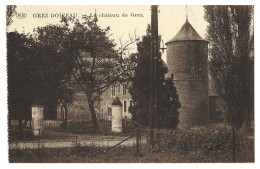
(130,83)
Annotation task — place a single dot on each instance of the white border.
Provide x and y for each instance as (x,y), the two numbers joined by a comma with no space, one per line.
(3,84)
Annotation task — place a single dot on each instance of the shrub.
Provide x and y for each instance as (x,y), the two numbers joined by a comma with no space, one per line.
(207,141)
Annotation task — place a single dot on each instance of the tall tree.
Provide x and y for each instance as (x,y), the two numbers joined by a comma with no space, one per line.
(97,64)
(20,90)
(53,44)
(167,97)
(230,35)
(38,71)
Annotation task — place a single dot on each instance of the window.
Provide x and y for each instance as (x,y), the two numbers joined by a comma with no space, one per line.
(62,112)
(109,111)
(124,89)
(131,103)
(113,91)
(118,88)
(125,106)
(102,113)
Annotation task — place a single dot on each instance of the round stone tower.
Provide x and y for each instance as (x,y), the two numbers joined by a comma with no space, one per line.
(187,55)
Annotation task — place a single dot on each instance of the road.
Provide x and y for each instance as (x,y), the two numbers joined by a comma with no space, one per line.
(97,141)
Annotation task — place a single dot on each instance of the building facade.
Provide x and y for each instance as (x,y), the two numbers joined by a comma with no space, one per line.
(103,106)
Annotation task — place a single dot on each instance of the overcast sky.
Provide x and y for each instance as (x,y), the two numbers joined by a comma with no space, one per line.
(171,18)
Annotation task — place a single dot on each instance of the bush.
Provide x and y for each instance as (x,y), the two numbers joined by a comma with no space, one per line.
(207,141)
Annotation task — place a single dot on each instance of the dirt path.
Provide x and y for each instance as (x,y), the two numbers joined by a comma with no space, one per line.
(93,141)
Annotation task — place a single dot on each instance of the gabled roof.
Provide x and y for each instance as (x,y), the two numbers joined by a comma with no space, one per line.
(187,32)
(117,102)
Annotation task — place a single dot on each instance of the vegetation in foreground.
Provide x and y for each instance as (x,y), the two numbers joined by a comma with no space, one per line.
(191,146)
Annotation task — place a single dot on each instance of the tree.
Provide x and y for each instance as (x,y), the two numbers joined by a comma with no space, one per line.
(230,36)
(230,65)
(97,64)
(20,91)
(53,45)
(38,71)
(167,97)
(10,12)
(60,57)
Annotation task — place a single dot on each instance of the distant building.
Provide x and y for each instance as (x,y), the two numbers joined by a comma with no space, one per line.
(79,108)
(107,98)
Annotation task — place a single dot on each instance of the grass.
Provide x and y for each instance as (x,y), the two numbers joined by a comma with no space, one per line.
(173,146)
(117,155)
(193,146)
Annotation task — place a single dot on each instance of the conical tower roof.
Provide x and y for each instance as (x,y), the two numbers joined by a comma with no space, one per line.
(187,32)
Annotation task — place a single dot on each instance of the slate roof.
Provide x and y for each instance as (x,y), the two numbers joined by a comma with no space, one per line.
(187,32)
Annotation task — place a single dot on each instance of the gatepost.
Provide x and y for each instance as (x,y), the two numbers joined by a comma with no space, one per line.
(37,120)
(117,125)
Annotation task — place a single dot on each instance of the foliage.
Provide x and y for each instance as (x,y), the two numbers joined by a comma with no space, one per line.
(167,97)
(66,58)
(21,89)
(210,142)
(53,40)
(10,12)
(62,59)
(231,57)
(37,70)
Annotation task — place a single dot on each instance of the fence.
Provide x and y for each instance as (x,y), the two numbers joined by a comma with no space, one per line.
(54,129)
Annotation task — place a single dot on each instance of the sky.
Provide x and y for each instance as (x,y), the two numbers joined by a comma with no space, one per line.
(170,18)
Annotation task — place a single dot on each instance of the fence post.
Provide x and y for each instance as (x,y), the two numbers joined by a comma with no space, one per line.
(37,119)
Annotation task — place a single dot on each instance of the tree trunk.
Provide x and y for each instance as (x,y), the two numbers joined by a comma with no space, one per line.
(93,114)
